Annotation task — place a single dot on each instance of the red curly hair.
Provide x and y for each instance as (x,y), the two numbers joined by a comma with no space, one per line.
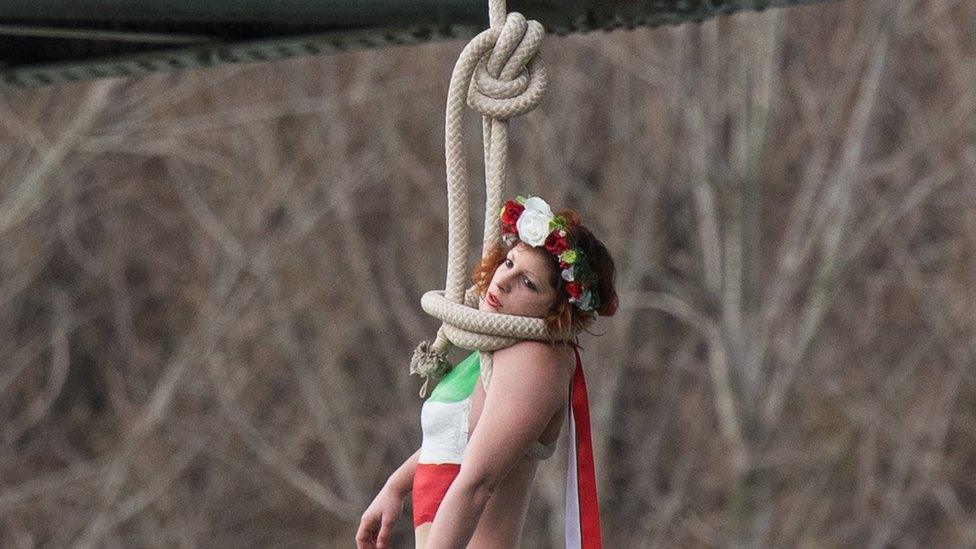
(562,314)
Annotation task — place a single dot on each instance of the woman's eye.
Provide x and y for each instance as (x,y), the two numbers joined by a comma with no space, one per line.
(508,263)
(529,283)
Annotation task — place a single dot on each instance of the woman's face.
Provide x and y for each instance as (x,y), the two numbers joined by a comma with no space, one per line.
(521,285)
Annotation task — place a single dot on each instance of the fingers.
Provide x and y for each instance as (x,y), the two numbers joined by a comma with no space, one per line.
(383,539)
(365,541)
(366,535)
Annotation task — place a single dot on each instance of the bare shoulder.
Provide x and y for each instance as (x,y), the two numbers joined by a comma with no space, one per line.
(538,353)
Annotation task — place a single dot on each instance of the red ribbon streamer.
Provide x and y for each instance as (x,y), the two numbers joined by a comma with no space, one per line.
(589,506)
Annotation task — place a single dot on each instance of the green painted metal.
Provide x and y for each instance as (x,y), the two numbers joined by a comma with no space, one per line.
(45,42)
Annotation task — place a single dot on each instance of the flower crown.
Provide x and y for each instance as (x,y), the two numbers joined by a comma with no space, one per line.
(531,220)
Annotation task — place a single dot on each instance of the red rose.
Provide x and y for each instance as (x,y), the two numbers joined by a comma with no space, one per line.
(574,289)
(509,229)
(511,212)
(563,264)
(555,243)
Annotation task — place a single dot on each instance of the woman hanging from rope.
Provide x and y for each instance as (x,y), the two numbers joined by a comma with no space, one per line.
(472,477)
(543,278)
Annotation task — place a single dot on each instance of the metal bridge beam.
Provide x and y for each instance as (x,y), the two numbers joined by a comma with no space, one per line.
(51,41)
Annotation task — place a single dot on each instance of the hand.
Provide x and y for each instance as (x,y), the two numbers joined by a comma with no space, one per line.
(378,520)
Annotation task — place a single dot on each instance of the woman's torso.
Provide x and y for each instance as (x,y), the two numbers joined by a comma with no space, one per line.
(503,517)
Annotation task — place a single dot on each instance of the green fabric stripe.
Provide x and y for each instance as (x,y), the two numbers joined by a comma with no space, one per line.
(459,383)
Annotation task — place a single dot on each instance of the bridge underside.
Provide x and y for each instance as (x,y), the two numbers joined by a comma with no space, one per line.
(47,42)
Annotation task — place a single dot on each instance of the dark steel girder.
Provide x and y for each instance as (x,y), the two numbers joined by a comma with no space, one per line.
(46,42)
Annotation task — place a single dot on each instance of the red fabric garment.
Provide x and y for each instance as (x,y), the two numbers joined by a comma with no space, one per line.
(430,484)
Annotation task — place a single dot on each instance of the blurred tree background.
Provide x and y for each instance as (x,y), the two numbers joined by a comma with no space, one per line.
(210,285)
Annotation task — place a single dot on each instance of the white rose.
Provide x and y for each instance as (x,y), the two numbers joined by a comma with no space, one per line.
(533,227)
(567,274)
(539,205)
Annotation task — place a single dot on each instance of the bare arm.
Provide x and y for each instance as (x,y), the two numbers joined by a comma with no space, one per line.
(378,519)
(401,481)
(527,388)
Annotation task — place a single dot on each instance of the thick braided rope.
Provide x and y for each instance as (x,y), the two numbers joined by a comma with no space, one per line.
(500,75)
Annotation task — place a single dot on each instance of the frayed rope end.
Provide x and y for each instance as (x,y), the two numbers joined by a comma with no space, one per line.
(429,361)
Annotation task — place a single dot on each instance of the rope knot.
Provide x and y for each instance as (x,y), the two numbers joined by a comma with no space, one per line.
(510,78)
(430,360)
